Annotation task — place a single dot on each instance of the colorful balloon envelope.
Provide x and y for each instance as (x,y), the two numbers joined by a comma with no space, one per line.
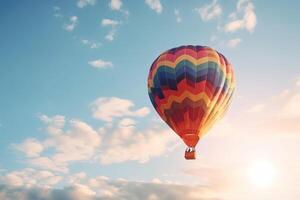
(191,87)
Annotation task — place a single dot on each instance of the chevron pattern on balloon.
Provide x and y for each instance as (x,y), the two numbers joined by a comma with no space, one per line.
(190,87)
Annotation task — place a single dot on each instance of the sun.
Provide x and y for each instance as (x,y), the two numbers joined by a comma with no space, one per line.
(262,173)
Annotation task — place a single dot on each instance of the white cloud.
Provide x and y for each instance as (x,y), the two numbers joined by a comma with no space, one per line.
(73,23)
(74,19)
(210,11)
(156,180)
(100,64)
(84,3)
(84,190)
(54,124)
(127,122)
(103,188)
(91,44)
(248,19)
(177,15)
(77,178)
(234,25)
(115,4)
(109,22)
(234,42)
(29,177)
(95,45)
(155,5)
(70,141)
(107,108)
(111,35)
(30,147)
(77,142)
(113,23)
(135,145)
(49,164)
(241,4)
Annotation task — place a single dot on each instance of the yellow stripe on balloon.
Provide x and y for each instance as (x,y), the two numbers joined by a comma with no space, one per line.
(219,110)
(190,59)
(186,94)
(182,58)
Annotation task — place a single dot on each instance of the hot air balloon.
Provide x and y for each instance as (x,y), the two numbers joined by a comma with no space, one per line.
(191,87)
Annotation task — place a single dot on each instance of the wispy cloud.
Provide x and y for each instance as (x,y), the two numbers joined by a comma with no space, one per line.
(107,109)
(110,36)
(84,3)
(234,42)
(115,4)
(155,5)
(56,8)
(100,64)
(57,12)
(72,24)
(246,21)
(30,147)
(177,15)
(109,22)
(95,45)
(210,11)
(91,44)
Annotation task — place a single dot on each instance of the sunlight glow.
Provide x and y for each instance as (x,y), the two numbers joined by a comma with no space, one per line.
(262,173)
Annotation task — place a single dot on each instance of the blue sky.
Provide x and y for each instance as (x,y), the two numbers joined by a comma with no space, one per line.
(67,65)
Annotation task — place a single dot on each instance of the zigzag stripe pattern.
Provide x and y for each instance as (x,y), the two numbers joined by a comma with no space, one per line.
(166,76)
(191,87)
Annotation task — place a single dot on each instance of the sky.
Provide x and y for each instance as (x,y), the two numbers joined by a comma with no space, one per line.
(76,121)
